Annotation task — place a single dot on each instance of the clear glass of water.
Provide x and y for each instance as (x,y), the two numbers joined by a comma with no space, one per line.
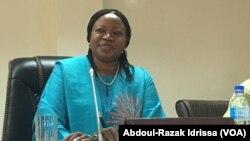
(46,127)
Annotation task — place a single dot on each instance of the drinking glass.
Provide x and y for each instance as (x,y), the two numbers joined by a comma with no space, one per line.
(46,127)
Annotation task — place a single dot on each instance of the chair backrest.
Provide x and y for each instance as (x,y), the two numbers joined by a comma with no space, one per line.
(201,108)
(26,80)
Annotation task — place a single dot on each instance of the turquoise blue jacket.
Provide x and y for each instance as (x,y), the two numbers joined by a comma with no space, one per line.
(69,94)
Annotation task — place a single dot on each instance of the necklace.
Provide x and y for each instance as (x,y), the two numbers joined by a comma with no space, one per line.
(110,83)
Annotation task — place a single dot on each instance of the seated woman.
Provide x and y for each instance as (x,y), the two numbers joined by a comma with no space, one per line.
(246,84)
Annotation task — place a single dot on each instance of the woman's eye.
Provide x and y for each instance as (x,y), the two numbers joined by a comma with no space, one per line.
(100,30)
(117,33)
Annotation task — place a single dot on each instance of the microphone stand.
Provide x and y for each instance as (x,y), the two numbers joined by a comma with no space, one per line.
(91,73)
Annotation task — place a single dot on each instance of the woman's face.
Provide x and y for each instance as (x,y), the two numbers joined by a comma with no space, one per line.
(108,38)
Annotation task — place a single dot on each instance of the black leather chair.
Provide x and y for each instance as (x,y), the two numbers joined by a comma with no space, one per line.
(26,80)
(201,108)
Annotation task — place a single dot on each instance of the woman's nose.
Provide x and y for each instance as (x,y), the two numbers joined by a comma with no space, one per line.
(108,36)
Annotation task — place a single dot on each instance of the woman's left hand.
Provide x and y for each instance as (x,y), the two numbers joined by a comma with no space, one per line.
(108,134)
(77,136)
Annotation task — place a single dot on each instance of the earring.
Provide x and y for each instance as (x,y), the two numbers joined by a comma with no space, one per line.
(123,51)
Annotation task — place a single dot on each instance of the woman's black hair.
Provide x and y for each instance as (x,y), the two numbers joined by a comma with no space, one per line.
(123,61)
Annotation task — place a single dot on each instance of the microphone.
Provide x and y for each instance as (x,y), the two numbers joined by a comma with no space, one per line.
(91,73)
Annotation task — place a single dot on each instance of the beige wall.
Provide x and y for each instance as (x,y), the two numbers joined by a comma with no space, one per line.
(194,49)
(27,28)
(41,27)
(72,19)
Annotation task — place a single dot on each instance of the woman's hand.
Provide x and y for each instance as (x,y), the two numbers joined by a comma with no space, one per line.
(110,134)
(77,136)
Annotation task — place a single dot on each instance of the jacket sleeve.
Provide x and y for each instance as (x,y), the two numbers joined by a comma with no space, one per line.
(52,101)
(152,106)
